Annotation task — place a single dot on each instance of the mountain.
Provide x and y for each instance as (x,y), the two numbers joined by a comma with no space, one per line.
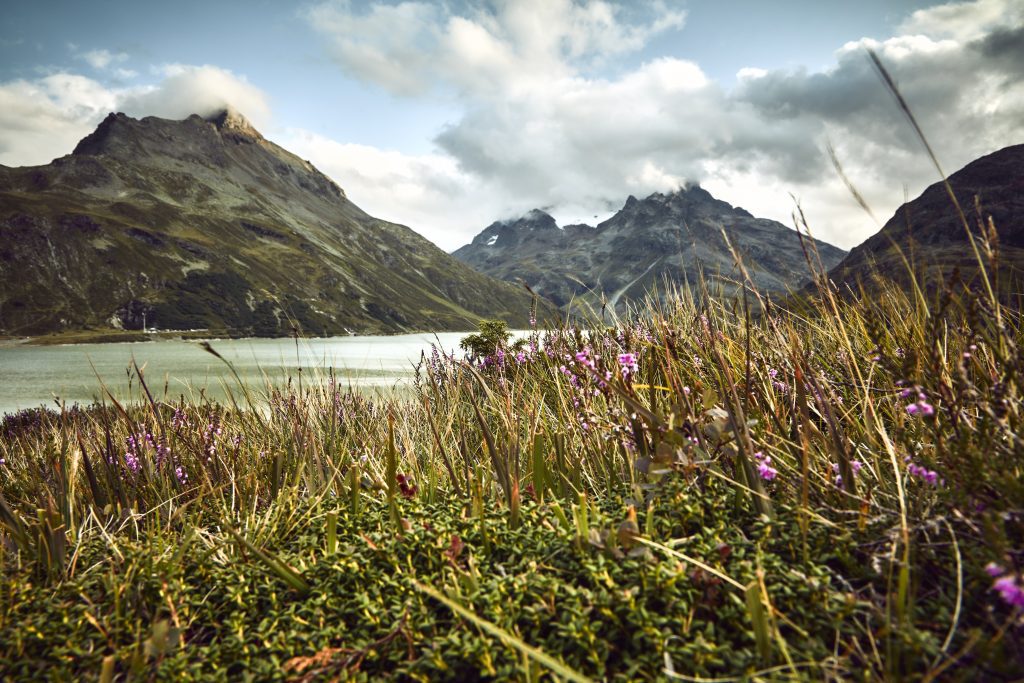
(929,233)
(675,237)
(203,223)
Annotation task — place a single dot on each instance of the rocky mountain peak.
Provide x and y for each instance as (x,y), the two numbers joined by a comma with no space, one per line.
(128,138)
(229,121)
(115,125)
(674,236)
(533,220)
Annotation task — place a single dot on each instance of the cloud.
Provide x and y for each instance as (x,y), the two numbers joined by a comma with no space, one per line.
(385,45)
(413,47)
(44,118)
(199,90)
(101,59)
(542,124)
(963,21)
(590,139)
(426,192)
(967,96)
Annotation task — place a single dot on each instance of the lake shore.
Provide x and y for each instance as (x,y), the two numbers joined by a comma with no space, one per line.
(115,336)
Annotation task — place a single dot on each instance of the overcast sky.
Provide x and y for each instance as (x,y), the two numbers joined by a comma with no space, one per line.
(446,116)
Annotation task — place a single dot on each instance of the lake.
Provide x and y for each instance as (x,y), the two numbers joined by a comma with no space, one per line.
(33,375)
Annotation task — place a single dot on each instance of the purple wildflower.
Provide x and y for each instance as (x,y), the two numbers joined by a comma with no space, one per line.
(921,408)
(583,358)
(628,363)
(764,466)
(1009,591)
(929,476)
(994,570)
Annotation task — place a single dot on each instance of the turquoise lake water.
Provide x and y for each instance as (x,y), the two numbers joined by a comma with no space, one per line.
(41,375)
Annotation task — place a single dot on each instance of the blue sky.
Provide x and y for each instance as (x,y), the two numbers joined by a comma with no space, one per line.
(446,116)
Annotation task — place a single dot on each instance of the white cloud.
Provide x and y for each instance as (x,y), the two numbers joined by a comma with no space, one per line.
(386,45)
(963,21)
(101,59)
(413,47)
(44,118)
(201,90)
(426,192)
(540,129)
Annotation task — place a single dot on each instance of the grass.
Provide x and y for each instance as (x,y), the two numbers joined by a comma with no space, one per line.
(695,492)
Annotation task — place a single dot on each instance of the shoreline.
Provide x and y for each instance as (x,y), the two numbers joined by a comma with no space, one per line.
(113,336)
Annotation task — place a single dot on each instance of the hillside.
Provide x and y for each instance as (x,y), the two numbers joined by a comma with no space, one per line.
(928,234)
(203,223)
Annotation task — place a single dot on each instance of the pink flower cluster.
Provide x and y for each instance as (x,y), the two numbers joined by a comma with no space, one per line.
(764,466)
(930,476)
(628,363)
(1006,584)
(855,467)
(921,406)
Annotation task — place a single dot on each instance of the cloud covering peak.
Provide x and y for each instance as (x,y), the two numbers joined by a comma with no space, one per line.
(43,119)
(540,126)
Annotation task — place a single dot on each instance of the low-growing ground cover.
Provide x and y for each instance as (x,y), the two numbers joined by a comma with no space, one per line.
(826,493)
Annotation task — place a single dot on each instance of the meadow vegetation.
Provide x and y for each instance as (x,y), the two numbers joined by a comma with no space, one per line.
(829,490)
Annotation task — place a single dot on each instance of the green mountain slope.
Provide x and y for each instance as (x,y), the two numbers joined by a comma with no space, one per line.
(203,223)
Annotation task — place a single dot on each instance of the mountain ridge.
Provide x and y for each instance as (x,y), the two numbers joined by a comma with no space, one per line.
(675,236)
(203,223)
